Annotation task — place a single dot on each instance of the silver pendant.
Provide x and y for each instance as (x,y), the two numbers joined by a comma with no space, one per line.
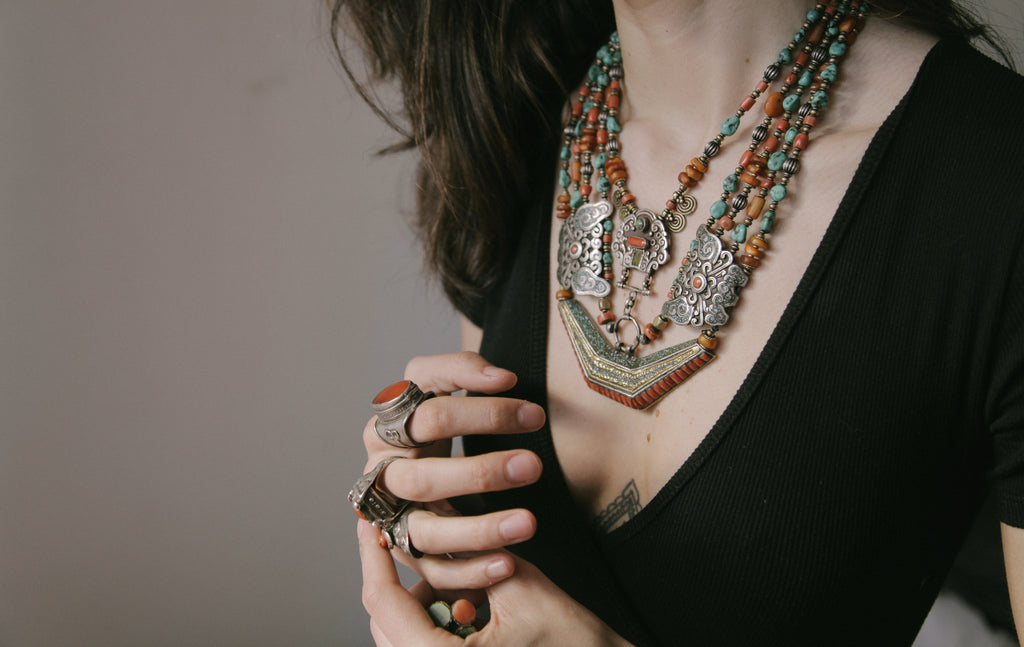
(707,286)
(630,380)
(640,244)
(579,250)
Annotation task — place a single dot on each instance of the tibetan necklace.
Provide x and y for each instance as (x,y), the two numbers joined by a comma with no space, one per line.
(713,272)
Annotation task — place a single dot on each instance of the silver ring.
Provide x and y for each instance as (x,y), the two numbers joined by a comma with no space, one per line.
(397,534)
(394,406)
(377,506)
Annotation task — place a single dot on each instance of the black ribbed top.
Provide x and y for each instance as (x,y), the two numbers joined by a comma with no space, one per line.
(827,503)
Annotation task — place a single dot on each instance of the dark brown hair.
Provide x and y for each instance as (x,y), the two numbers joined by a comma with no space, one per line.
(483,84)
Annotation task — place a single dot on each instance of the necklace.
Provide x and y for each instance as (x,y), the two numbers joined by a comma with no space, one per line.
(714,271)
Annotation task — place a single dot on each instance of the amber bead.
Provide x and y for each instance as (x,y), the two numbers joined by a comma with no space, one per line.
(687,181)
(752,251)
(587,142)
(749,261)
(693,172)
(585,189)
(726,223)
(563,212)
(759,242)
(749,178)
(563,294)
(754,209)
(773,105)
(563,197)
(651,332)
(574,171)
(746,157)
(848,25)
(817,33)
(709,343)
(699,165)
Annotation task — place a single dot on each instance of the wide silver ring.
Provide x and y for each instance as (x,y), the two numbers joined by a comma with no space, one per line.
(397,534)
(377,506)
(394,406)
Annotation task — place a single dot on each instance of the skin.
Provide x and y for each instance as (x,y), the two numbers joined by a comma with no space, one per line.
(603,447)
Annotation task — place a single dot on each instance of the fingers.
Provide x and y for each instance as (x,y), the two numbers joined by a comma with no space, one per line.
(437,535)
(471,574)
(433,479)
(397,616)
(457,371)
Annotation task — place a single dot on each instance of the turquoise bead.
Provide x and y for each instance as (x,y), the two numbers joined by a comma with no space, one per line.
(791,103)
(600,160)
(820,99)
(606,259)
(791,134)
(607,224)
(776,161)
(830,73)
(566,152)
(805,79)
(739,234)
(616,57)
(603,79)
(785,57)
(603,184)
(579,127)
(718,209)
(614,37)
(813,15)
(564,180)
(586,108)
(730,183)
(778,192)
(837,49)
(730,125)
(594,72)
(613,125)
(576,199)
(603,54)
(768,222)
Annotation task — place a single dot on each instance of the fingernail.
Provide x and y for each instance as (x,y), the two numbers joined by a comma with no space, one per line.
(516,528)
(495,372)
(522,468)
(530,416)
(498,569)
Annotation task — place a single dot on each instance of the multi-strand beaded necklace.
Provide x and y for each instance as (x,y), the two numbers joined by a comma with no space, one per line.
(723,253)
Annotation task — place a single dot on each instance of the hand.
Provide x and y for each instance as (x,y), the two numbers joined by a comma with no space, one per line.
(436,476)
(526,609)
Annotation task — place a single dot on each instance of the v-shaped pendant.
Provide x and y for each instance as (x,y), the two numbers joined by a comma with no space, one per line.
(633,381)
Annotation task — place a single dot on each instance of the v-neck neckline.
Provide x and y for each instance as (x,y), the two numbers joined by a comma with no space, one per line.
(543,442)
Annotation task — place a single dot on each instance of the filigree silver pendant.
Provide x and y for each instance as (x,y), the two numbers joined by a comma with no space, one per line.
(707,286)
(640,243)
(579,250)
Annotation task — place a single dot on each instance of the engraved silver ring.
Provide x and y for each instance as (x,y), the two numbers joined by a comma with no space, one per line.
(394,406)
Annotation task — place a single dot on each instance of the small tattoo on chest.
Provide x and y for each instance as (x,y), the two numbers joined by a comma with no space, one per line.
(622,509)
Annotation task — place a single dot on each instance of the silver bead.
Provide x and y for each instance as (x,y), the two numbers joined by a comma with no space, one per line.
(711,148)
(739,201)
(771,72)
(760,134)
(791,166)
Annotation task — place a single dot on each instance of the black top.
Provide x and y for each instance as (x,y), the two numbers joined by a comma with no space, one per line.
(827,503)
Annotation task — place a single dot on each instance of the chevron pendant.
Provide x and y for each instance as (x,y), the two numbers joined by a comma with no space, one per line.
(633,381)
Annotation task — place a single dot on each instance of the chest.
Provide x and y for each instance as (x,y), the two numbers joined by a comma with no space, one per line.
(611,454)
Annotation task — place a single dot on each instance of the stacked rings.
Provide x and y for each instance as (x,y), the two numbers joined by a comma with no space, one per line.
(394,406)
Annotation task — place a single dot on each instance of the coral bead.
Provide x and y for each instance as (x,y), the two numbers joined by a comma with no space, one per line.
(464,612)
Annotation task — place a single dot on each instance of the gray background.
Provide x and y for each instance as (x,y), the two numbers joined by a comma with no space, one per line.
(205,275)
